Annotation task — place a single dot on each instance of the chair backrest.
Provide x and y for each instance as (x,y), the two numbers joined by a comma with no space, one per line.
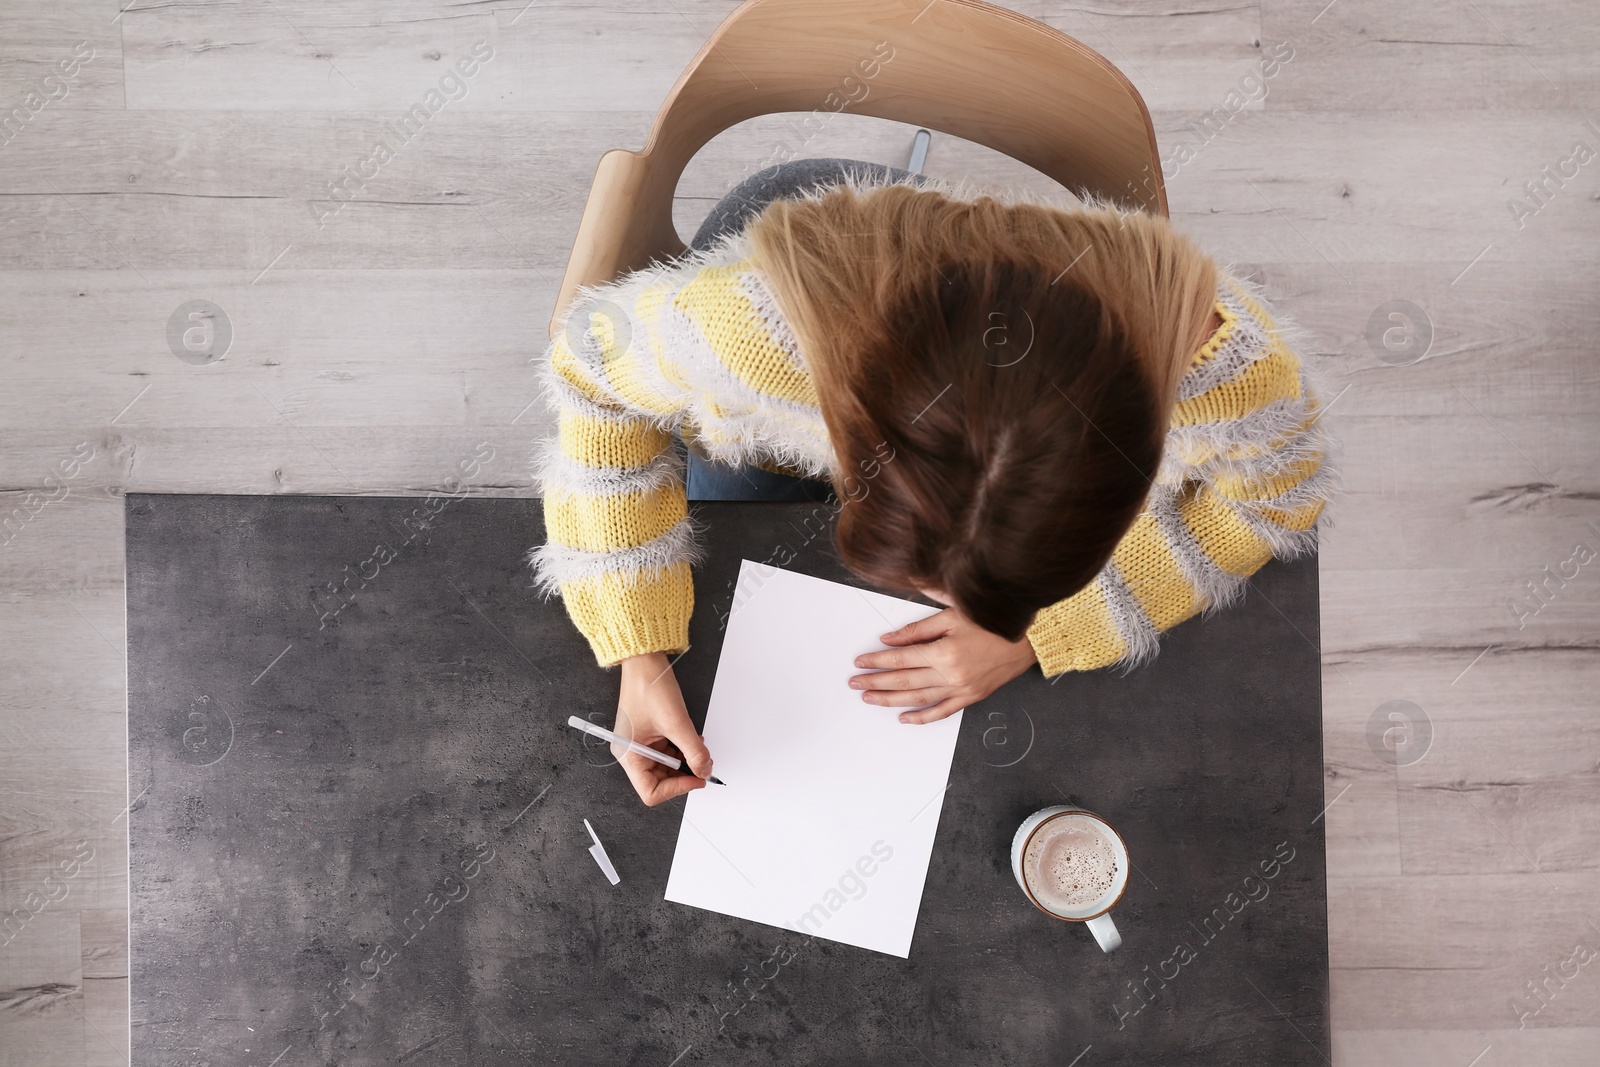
(962,67)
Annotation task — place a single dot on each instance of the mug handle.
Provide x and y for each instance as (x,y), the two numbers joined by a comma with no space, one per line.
(1104,931)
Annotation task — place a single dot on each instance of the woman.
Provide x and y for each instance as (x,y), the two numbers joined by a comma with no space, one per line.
(1067,425)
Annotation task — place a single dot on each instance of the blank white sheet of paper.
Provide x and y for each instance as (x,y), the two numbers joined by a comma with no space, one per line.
(827,823)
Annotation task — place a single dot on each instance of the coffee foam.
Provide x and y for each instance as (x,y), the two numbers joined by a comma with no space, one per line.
(1071,864)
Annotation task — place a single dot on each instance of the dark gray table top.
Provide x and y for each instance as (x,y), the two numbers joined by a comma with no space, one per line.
(357,836)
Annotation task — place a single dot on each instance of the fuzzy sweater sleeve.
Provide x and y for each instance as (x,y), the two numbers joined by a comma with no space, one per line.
(619,542)
(1244,478)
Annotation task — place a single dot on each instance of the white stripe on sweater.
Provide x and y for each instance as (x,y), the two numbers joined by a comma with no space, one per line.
(1214,587)
(557,564)
(1284,543)
(559,472)
(1247,342)
(756,426)
(1276,431)
(561,394)
(1139,635)
(1276,421)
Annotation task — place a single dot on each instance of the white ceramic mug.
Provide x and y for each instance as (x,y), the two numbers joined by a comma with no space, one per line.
(1097,915)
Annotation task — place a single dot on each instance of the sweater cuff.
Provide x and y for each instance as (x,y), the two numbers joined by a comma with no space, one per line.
(1076,634)
(630,614)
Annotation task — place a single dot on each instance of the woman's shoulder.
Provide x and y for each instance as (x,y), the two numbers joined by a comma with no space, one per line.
(729,254)
(712,292)
(1248,390)
(701,315)
(722,294)
(1251,340)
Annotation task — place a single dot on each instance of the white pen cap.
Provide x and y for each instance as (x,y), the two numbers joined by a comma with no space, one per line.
(598,851)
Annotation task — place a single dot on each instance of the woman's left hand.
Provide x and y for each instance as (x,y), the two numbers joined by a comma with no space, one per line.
(946,661)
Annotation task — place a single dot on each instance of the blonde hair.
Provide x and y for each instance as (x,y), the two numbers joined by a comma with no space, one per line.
(837,258)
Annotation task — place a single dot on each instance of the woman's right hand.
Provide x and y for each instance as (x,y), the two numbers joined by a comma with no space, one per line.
(651,711)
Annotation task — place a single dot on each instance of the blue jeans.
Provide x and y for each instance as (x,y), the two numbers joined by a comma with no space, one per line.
(707,480)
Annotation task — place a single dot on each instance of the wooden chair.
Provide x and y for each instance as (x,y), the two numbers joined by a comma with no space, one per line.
(963,67)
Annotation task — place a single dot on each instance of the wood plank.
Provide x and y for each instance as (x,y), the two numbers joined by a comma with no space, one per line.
(1274,187)
(547,55)
(299,54)
(1506,781)
(41,994)
(416,460)
(38,36)
(1360,788)
(105,1020)
(1459,612)
(1509,783)
(1452,952)
(1503,342)
(1521,57)
(103,933)
(1363,803)
(1532,1047)
(85,527)
(1450,56)
(62,635)
(1516,529)
(1501,450)
(1499,795)
(478,190)
(443,347)
(50,820)
(1456,54)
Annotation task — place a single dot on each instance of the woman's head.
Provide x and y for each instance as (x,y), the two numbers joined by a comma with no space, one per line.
(996,380)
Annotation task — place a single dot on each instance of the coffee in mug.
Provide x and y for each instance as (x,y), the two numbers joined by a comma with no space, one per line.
(1072,865)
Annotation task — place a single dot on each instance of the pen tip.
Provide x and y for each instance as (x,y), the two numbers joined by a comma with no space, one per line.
(714,780)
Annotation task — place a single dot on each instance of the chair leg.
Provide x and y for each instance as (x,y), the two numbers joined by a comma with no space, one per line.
(919,151)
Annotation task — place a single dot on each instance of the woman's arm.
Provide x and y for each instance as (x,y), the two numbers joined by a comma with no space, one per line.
(1243,479)
(620,543)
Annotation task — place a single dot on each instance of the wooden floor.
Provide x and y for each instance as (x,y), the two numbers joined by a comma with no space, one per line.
(191,160)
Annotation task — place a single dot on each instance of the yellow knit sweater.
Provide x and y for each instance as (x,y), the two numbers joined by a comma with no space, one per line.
(699,348)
